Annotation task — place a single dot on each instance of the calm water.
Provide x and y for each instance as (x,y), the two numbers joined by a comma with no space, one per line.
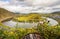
(19,24)
(28,25)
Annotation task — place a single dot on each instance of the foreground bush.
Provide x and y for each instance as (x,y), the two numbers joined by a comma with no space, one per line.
(15,33)
(49,32)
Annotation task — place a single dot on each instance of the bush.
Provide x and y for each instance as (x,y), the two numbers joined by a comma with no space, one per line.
(49,32)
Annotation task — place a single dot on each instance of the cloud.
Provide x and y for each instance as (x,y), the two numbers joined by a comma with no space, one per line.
(28,6)
(19,9)
(2,3)
(45,2)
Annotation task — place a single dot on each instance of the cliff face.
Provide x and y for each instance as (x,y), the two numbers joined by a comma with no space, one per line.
(5,14)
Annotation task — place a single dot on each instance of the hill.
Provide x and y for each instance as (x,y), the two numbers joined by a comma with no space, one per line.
(5,14)
(56,13)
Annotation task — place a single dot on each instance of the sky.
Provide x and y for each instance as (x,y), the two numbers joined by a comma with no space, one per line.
(31,6)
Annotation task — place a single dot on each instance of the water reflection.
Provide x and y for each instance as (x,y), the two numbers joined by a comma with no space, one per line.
(19,24)
(12,23)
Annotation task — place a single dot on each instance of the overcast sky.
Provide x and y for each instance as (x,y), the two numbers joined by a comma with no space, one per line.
(28,6)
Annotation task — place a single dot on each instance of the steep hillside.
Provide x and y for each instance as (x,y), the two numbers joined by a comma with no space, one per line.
(5,14)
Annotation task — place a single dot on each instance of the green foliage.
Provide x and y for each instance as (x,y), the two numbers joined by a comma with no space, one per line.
(14,33)
(49,32)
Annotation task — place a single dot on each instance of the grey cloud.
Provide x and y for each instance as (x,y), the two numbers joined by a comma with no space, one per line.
(19,0)
(57,3)
(24,6)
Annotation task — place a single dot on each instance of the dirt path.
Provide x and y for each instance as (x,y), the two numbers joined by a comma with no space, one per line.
(3,19)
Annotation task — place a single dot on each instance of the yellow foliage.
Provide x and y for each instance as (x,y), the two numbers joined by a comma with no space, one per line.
(11,33)
(29,17)
(22,18)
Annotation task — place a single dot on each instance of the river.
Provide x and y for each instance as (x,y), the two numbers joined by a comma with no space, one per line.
(28,25)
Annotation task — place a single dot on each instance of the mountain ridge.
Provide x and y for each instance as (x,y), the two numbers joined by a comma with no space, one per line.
(5,14)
